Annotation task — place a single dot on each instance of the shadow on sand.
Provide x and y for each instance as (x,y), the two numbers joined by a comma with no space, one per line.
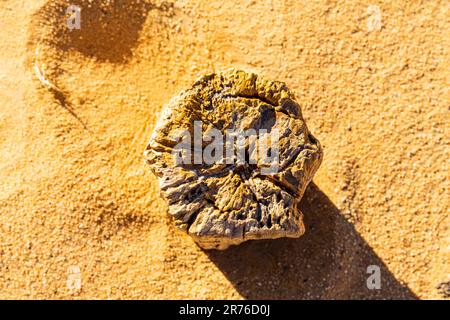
(329,262)
(109,30)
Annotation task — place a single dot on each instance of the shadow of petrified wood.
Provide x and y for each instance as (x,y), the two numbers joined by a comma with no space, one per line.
(329,262)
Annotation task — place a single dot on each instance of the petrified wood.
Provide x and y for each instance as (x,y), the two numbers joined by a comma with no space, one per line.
(228,202)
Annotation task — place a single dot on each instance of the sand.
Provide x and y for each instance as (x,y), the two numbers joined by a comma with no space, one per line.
(80,213)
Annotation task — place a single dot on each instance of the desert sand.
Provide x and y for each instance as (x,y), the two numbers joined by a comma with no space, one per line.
(77,108)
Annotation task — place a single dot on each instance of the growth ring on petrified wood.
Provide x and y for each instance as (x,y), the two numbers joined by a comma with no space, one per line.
(241,197)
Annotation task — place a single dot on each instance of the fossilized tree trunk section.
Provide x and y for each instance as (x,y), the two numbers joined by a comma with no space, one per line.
(228,202)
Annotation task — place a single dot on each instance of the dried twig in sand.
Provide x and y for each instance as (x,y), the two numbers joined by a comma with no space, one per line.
(57,92)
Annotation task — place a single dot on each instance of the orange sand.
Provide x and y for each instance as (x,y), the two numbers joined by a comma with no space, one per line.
(75,192)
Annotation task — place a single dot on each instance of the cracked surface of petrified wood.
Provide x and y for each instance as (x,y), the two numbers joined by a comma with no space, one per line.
(224,204)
